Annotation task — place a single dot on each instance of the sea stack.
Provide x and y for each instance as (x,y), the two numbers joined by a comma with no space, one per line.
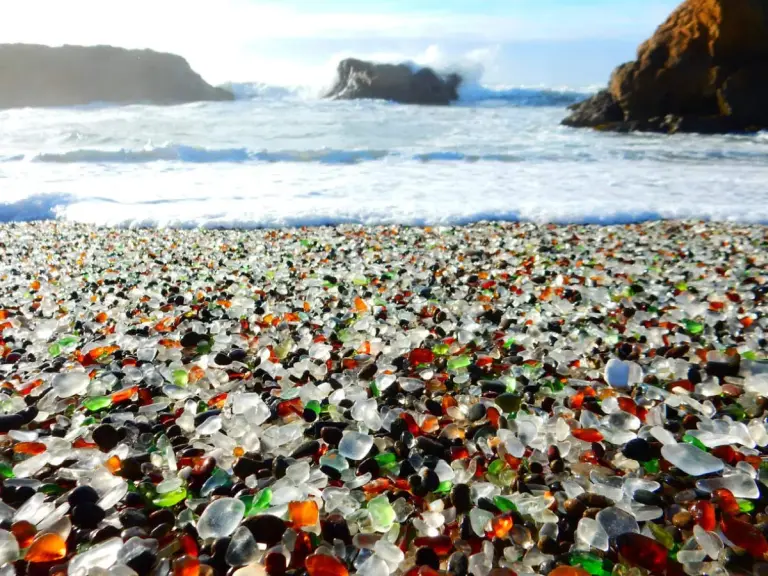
(34,76)
(704,70)
(358,79)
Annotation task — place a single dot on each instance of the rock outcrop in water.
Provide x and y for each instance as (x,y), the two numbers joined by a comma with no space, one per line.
(33,76)
(358,79)
(704,70)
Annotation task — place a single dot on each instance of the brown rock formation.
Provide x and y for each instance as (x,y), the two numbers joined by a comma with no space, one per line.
(706,63)
(33,76)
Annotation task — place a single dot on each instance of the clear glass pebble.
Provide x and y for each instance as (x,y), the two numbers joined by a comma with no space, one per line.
(220,518)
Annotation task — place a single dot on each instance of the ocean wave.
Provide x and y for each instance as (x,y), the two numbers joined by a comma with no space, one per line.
(197,155)
(311,210)
(263,91)
(167,153)
(34,207)
(470,93)
(513,96)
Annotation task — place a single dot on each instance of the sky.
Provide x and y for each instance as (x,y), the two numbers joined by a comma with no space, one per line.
(298,42)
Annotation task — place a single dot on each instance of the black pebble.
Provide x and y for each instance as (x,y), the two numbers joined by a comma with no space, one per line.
(130,468)
(434,407)
(220,546)
(406,469)
(306,449)
(331,472)
(368,465)
(266,529)
(331,435)
(461,498)
(103,534)
(368,372)
(279,466)
(488,505)
(203,416)
(417,485)
(192,339)
(161,516)
(134,500)
(723,369)
(430,446)
(106,437)
(135,531)
(638,449)
(87,515)
(557,466)
(246,466)
(648,498)
(161,531)
(431,481)
(427,557)
(10,422)
(82,495)
(497,387)
(130,518)
(335,528)
(142,564)
(238,354)
(476,412)
(694,374)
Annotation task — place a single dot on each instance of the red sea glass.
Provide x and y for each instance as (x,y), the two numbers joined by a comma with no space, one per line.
(303,513)
(703,513)
(744,535)
(421,356)
(725,501)
(502,525)
(324,565)
(442,545)
(47,548)
(587,434)
(642,551)
(24,532)
(186,566)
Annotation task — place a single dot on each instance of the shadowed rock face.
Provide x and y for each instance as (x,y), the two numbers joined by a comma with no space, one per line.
(358,79)
(705,69)
(33,76)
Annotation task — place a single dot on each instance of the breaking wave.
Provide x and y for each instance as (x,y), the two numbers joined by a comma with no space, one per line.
(179,153)
(261,90)
(469,94)
(478,94)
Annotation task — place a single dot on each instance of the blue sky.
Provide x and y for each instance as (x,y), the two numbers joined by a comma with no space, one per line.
(514,42)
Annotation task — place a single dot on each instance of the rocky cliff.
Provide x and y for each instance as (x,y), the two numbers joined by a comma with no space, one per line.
(33,75)
(358,79)
(704,70)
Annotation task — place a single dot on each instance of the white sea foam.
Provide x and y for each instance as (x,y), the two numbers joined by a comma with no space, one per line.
(276,161)
(471,66)
(470,93)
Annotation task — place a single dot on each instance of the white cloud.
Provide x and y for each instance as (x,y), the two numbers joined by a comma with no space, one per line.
(167,21)
(227,38)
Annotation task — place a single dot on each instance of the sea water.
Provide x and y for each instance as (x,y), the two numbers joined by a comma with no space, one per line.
(273,158)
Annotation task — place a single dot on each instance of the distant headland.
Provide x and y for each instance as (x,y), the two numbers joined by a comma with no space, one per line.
(36,76)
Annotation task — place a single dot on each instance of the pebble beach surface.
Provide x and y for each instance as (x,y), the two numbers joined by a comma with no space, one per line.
(491,399)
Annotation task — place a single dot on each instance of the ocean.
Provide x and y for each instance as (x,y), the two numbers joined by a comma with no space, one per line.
(277,157)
